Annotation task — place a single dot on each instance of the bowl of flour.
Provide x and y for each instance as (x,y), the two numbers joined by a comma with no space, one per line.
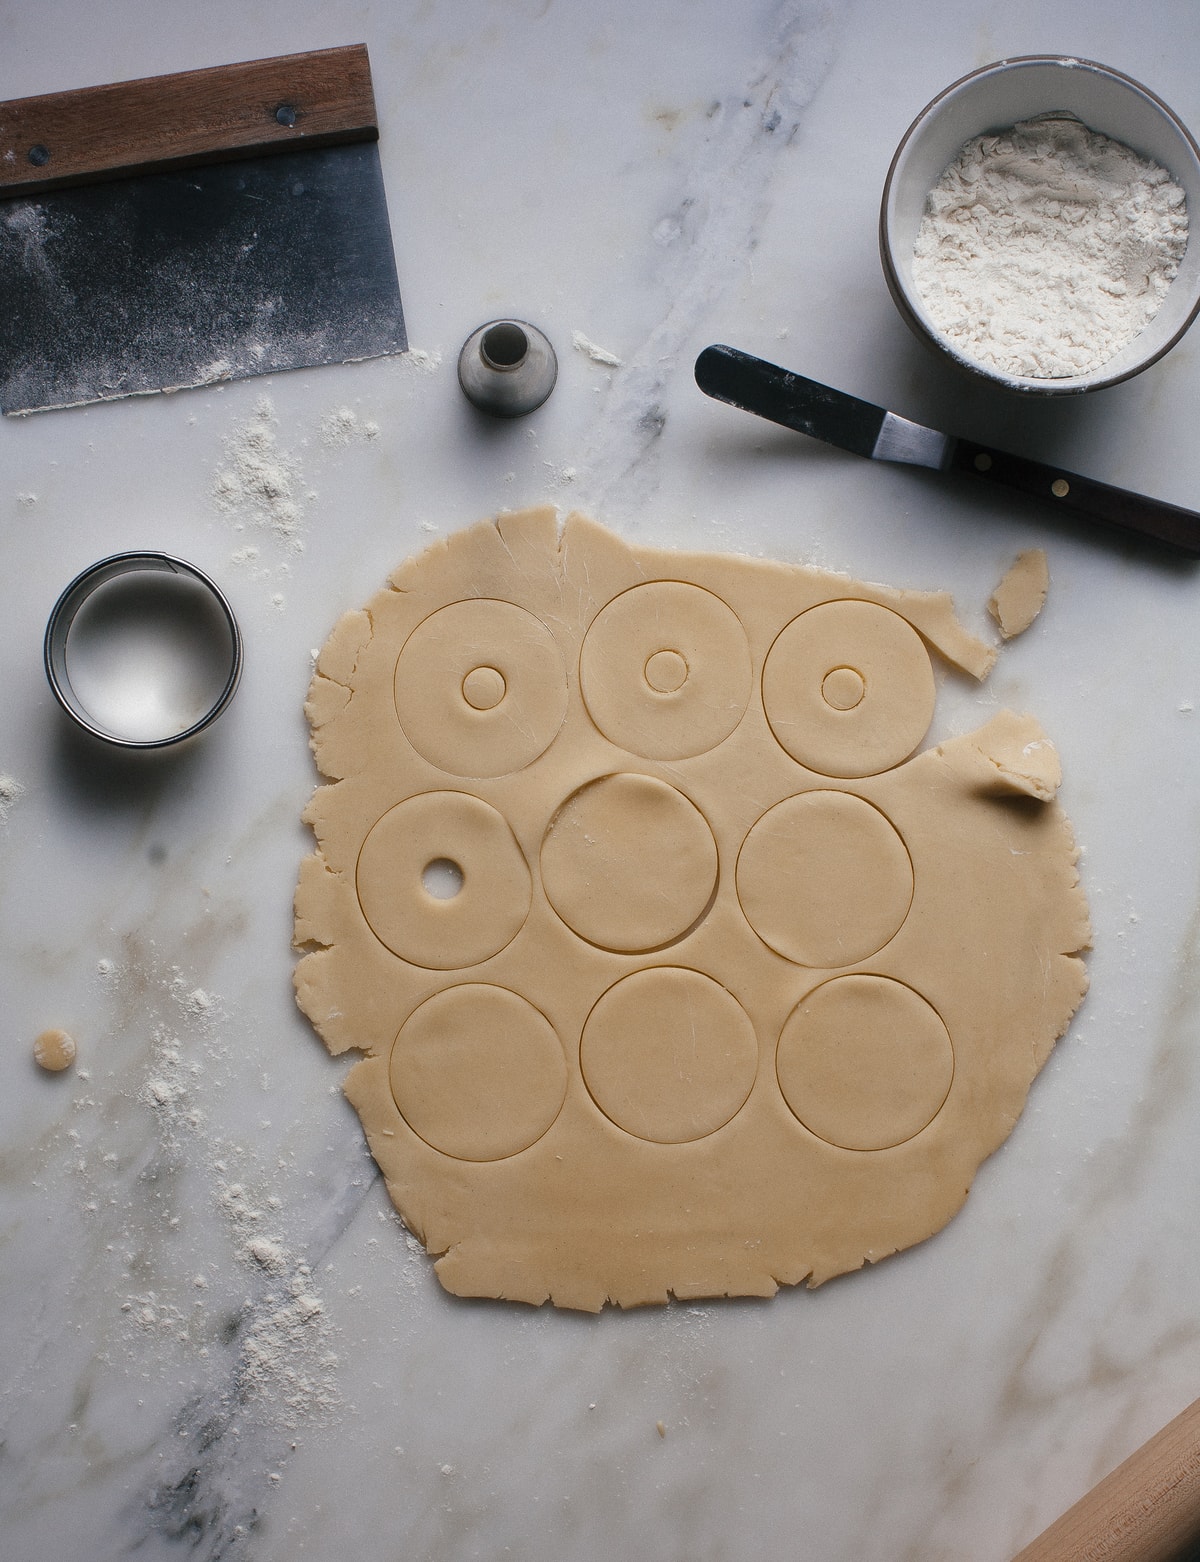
(1035,225)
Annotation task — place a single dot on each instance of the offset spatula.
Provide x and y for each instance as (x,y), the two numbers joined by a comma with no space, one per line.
(866,430)
(180,230)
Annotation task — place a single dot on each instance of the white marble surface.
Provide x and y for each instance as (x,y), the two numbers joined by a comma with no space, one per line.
(655,177)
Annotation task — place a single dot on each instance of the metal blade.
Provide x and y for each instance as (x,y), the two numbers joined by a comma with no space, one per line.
(817,410)
(912,444)
(180,279)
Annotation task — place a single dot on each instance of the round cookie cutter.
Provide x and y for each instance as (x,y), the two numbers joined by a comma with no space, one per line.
(143,651)
(507,368)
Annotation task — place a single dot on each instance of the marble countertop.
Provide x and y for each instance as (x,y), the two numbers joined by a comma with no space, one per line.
(218,1340)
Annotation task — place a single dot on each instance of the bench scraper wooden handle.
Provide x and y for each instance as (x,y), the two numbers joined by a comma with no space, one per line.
(203,116)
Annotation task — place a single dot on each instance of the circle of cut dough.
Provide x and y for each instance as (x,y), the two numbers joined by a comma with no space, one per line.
(480,688)
(478,1073)
(483,688)
(426,929)
(665,670)
(826,720)
(864,1062)
(824,879)
(669,1055)
(629,863)
(843,688)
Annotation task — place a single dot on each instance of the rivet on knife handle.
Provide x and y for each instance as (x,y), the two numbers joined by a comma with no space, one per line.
(740,380)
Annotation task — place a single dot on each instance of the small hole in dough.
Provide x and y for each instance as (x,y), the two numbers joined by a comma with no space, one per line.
(442,878)
(666,671)
(483,688)
(843,688)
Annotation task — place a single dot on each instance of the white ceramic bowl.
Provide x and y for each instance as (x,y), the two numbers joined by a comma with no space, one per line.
(995,98)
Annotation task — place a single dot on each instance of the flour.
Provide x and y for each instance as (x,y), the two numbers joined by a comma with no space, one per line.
(1045,249)
(425,362)
(10,791)
(343,425)
(261,480)
(590,350)
(283,1359)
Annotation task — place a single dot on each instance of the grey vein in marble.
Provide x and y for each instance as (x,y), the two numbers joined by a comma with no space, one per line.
(705,242)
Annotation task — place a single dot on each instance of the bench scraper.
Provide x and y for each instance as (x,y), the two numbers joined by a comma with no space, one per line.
(182,230)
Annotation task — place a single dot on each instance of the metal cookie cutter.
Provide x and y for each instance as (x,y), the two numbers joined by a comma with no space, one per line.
(143,651)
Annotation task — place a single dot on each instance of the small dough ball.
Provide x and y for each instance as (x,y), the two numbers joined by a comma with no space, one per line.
(54,1050)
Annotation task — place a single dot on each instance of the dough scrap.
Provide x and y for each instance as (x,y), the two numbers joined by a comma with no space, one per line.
(733,993)
(1018,757)
(54,1050)
(1021,595)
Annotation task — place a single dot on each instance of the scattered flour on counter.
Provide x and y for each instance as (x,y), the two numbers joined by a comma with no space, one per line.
(590,350)
(193,1000)
(168,1086)
(10,790)
(559,476)
(286,1357)
(197,1001)
(269,1255)
(259,480)
(151,1313)
(343,425)
(1046,248)
(421,360)
(284,1361)
(222,1305)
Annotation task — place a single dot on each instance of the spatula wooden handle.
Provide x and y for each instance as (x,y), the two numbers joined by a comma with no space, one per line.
(1147,1510)
(201,116)
(1166,523)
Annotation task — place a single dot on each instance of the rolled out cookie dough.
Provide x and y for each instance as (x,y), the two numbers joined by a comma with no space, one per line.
(727,990)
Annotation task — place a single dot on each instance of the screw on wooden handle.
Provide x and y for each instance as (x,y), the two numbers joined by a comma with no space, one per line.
(202,116)
(1147,1510)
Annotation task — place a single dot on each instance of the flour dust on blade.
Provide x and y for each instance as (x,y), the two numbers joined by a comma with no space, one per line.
(181,230)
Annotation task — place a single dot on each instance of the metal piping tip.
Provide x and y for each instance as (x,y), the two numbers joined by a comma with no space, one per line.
(507,368)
